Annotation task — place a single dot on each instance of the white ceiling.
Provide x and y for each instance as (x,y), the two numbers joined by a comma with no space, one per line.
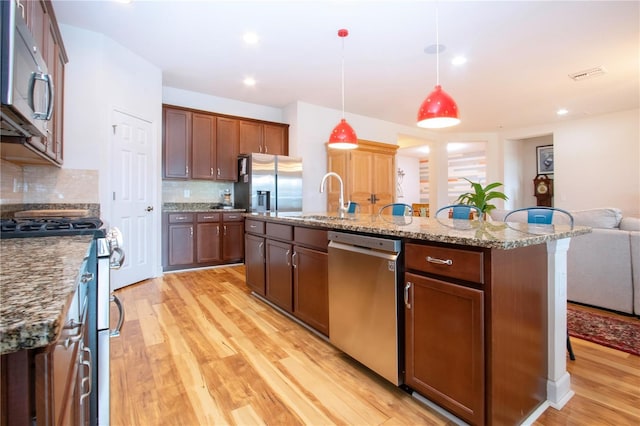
(519,53)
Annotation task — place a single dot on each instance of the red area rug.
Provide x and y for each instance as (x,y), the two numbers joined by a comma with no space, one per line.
(619,333)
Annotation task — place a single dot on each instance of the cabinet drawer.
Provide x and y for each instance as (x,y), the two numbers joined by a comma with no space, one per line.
(277,230)
(254,226)
(311,237)
(180,217)
(232,217)
(447,262)
(208,217)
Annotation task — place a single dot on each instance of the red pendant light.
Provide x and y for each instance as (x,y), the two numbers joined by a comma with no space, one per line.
(438,110)
(343,136)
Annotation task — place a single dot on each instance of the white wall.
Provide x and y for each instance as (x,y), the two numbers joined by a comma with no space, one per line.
(411,168)
(597,160)
(103,76)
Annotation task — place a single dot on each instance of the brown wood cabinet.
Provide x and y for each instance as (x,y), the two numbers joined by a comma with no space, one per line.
(202,239)
(289,266)
(368,173)
(42,23)
(203,143)
(254,255)
(263,138)
(470,326)
(227,140)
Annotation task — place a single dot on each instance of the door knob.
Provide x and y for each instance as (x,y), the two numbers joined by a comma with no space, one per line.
(149,208)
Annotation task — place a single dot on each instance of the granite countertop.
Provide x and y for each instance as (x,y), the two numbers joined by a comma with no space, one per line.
(38,278)
(498,235)
(197,207)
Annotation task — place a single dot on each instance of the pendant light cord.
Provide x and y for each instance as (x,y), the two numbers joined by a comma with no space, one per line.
(342,76)
(437,48)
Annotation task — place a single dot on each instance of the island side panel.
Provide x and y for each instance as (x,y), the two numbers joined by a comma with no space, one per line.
(517,333)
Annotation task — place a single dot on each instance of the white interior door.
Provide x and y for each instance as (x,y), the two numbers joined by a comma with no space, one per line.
(133,197)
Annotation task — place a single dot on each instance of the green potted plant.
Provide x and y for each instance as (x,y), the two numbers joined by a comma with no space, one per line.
(480,196)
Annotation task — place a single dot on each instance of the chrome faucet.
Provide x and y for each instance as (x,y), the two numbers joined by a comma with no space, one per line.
(341,208)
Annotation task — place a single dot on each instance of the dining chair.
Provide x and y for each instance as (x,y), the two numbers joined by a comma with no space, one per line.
(544,216)
(459,211)
(541,215)
(397,209)
(353,207)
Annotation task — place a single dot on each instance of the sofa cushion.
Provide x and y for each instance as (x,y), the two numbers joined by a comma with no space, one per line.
(598,218)
(599,270)
(630,224)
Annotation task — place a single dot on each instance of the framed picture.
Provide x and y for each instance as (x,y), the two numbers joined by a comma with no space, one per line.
(544,159)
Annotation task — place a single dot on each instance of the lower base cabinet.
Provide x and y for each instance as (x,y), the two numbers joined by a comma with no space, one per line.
(288,266)
(444,350)
(202,239)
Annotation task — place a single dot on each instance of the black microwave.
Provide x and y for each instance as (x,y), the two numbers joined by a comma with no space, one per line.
(26,87)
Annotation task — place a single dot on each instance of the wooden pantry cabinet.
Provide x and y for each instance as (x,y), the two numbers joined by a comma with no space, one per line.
(368,173)
(205,146)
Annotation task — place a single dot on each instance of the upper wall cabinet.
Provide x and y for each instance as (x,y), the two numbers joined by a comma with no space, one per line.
(43,25)
(204,145)
(264,138)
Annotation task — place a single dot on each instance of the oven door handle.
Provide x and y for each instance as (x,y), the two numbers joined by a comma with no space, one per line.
(116,332)
(118,261)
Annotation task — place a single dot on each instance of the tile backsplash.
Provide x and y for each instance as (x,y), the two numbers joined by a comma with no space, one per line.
(192,191)
(47,185)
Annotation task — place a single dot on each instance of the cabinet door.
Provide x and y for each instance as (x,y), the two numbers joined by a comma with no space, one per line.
(254,261)
(203,146)
(227,149)
(232,240)
(444,345)
(383,179)
(181,248)
(58,108)
(250,137)
(176,143)
(310,288)
(361,180)
(276,139)
(49,54)
(208,242)
(337,160)
(278,274)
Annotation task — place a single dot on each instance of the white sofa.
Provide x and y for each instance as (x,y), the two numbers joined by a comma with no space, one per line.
(603,267)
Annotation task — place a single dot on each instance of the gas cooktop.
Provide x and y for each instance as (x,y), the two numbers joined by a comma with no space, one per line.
(49,227)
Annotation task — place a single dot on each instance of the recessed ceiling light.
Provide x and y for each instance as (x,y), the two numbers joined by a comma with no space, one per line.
(250,38)
(249,81)
(459,60)
(562,111)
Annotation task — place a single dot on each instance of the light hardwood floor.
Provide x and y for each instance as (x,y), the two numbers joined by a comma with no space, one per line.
(197,349)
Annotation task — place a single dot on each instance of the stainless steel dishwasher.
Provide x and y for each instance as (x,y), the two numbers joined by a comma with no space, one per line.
(363,313)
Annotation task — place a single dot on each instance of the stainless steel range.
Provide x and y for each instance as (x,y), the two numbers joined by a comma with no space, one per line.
(105,254)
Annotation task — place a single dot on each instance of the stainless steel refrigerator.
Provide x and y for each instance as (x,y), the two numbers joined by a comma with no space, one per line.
(269,183)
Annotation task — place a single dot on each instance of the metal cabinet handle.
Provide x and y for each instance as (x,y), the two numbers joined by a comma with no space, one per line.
(191,231)
(218,171)
(293,259)
(287,256)
(252,226)
(211,173)
(217,229)
(261,250)
(186,170)
(225,229)
(116,332)
(439,261)
(407,286)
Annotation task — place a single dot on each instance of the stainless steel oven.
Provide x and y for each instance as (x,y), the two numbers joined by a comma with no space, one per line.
(26,87)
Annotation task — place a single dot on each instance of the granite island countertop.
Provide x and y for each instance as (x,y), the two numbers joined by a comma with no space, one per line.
(198,207)
(497,235)
(38,277)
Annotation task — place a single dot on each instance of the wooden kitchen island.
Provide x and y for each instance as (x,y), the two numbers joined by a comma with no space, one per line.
(482,327)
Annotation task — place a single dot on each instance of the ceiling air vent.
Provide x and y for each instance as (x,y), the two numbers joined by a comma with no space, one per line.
(592,72)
